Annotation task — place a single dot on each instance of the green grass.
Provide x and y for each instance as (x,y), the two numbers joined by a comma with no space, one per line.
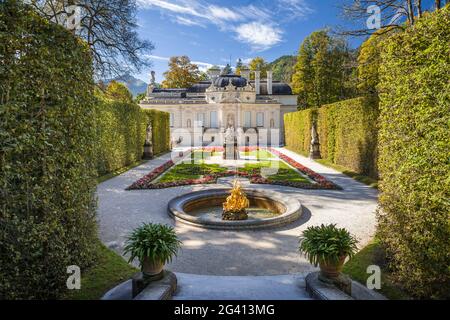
(119,171)
(109,270)
(373,254)
(284,172)
(189,170)
(184,171)
(259,154)
(358,177)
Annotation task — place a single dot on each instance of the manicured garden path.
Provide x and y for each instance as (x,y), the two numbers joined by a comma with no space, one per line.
(214,252)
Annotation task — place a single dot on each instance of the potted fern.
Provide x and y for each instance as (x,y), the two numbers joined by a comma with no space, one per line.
(328,247)
(153,245)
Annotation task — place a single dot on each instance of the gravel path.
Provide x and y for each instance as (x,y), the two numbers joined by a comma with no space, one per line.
(237,253)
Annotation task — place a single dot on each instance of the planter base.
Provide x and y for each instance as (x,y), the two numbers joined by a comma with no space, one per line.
(139,289)
(328,290)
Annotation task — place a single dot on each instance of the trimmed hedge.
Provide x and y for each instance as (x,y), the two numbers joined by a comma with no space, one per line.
(121,132)
(348,134)
(414,221)
(47,155)
(297,130)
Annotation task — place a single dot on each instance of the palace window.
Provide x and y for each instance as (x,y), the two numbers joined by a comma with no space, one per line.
(213,123)
(201,119)
(247,119)
(189,123)
(260,119)
(172,119)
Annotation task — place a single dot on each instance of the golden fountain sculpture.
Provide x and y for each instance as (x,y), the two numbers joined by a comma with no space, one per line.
(236,203)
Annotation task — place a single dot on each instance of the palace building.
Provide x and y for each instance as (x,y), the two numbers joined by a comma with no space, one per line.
(201,114)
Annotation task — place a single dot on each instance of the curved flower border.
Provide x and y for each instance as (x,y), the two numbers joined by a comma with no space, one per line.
(255,178)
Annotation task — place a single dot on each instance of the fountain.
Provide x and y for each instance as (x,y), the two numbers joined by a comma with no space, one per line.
(234,208)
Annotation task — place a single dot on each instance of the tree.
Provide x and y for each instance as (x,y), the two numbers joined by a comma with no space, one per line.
(369,61)
(109,29)
(260,64)
(393,14)
(118,91)
(283,68)
(181,74)
(139,97)
(324,70)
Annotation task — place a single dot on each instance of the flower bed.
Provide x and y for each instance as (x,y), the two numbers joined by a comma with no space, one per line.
(146,180)
(254,177)
(321,180)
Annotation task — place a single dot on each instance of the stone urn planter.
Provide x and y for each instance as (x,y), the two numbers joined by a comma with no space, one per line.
(331,269)
(153,245)
(328,247)
(152,268)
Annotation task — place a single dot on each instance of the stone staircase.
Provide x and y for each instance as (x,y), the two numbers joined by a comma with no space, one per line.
(204,287)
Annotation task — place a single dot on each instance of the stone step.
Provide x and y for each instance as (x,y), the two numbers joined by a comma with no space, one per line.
(204,287)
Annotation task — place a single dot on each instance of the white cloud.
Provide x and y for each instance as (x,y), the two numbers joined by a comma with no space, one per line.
(173,7)
(151,56)
(295,9)
(188,22)
(259,36)
(223,13)
(257,26)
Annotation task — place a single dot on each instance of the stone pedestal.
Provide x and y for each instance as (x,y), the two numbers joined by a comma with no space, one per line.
(314,151)
(232,216)
(231,151)
(142,288)
(148,151)
(140,281)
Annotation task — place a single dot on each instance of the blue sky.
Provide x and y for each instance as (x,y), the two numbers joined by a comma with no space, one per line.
(212,31)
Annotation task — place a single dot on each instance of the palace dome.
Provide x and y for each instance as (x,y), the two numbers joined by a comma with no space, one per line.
(224,80)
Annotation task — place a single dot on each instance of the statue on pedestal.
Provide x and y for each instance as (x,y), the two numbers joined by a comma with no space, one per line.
(314,150)
(148,145)
(151,86)
(231,151)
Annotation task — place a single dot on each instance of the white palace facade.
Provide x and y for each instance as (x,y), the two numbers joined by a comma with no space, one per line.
(200,115)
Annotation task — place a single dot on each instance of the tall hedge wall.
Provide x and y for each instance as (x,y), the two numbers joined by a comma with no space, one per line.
(121,131)
(297,130)
(47,155)
(414,146)
(348,134)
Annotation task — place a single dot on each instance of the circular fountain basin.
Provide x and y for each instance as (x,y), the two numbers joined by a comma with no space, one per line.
(204,209)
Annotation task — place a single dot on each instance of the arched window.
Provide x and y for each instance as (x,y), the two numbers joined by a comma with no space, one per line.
(188,124)
(272,123)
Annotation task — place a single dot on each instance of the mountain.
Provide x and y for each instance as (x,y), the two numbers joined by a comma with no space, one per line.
(136,86)
(283,68)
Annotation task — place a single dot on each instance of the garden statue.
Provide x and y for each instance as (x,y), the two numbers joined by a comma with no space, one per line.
(148,145)
(230,144)
(151,86)
(234,208)
(314,151)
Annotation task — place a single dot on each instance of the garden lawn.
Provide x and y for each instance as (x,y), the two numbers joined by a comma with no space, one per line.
(185,171)
(259,154)
(373,254)
(358,177)
(284,172)
(110,270)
